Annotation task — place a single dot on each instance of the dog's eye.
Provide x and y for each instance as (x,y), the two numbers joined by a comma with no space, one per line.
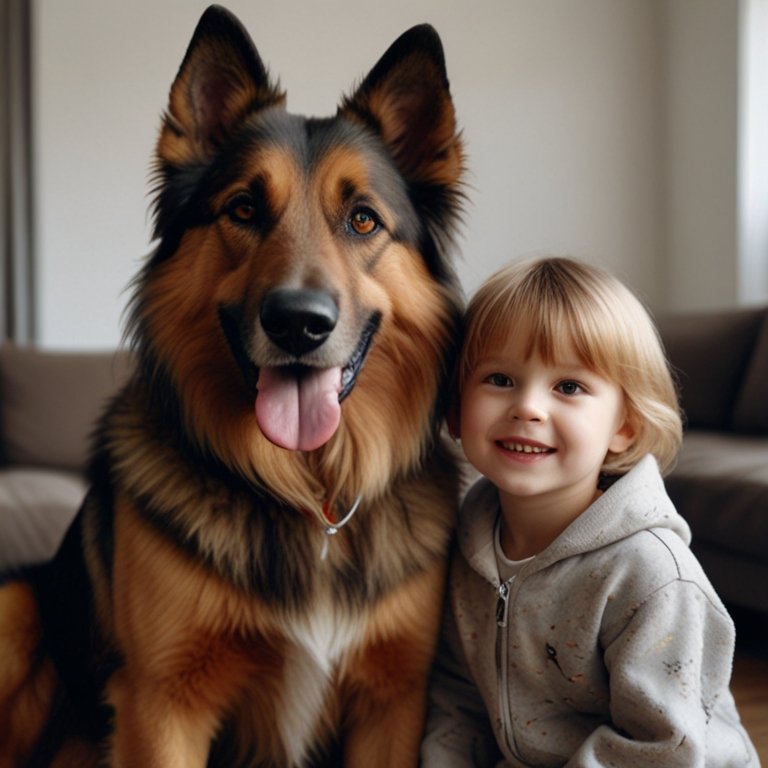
(241,209)
(363,222)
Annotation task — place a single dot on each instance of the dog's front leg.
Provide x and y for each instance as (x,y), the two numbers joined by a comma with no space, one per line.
(182,666)
(389,734)
(385,717)
(153,731)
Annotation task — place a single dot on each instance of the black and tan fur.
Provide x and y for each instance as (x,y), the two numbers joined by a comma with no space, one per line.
(190,617)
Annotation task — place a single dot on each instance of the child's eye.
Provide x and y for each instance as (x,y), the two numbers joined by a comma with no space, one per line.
(570,387)
(499,380)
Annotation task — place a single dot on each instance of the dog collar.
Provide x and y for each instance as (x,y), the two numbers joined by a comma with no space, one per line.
(333,524)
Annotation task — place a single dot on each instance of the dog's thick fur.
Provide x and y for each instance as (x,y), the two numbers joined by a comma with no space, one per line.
(198,613)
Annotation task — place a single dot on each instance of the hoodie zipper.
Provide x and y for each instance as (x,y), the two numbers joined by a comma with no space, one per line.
(502,658)
(502,604)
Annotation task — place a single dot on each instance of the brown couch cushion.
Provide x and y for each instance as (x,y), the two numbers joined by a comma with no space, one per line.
(751,411)
(49,402)
(710,353)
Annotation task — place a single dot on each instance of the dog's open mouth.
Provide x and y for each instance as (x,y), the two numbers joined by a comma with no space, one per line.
(298,407)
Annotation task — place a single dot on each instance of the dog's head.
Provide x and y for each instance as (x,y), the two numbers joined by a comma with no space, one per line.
(300,310)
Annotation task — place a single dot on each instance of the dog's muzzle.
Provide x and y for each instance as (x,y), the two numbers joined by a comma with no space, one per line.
(298,403)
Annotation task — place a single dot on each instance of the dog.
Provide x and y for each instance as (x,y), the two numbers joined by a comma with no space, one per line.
(255,577)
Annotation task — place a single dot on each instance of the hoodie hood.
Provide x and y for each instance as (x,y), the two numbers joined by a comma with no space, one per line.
(635,502)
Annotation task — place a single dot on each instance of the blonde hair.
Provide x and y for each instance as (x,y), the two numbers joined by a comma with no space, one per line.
(562,305)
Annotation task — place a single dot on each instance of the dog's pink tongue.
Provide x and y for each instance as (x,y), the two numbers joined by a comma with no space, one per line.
(298,413)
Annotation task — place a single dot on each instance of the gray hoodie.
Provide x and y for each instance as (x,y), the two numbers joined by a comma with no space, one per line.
(609,648)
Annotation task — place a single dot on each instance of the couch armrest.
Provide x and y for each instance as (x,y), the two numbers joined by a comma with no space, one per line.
(49,402)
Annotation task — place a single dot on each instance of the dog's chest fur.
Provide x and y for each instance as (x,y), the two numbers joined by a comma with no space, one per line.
(319,640)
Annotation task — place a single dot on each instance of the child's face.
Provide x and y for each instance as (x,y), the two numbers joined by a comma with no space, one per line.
(536,429)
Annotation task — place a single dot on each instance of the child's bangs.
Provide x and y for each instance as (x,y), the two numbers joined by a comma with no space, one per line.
(551,329)
(562,313)
(548,331)
(560,324)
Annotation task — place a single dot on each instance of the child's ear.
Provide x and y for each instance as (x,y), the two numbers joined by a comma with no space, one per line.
(453,417)
(624,438)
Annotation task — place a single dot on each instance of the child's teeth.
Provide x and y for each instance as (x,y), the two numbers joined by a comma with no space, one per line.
(523,448)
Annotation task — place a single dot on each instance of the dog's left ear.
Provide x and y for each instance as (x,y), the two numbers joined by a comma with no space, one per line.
(406,99)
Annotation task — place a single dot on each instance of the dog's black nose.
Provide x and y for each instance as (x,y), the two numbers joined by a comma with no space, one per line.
(298,320)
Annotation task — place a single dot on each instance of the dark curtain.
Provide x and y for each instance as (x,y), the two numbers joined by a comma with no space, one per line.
(17,321)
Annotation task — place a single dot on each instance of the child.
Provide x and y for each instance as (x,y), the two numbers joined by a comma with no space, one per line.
(581,630)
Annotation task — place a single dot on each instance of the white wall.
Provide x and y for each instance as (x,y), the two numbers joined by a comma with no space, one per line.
(753,152)
(562,105)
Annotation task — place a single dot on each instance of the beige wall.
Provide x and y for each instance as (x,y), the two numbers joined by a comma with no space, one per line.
(590,126)
(700,101)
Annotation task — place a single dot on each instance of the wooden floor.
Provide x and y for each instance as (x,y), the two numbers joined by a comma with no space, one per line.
(750,678)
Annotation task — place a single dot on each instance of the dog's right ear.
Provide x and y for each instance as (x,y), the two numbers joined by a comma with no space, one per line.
(221,79)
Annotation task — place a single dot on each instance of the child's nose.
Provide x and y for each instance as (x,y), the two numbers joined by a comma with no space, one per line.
(527,406)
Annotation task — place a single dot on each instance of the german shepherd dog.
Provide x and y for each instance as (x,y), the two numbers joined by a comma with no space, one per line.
(260,585)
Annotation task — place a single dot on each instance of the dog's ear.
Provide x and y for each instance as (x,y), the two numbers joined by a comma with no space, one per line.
(221,79)
(406,99)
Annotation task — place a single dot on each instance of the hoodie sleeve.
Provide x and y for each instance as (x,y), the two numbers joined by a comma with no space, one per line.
(458,732)
(669,673)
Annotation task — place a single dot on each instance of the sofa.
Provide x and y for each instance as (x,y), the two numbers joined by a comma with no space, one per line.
(49,401)
(720,483)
